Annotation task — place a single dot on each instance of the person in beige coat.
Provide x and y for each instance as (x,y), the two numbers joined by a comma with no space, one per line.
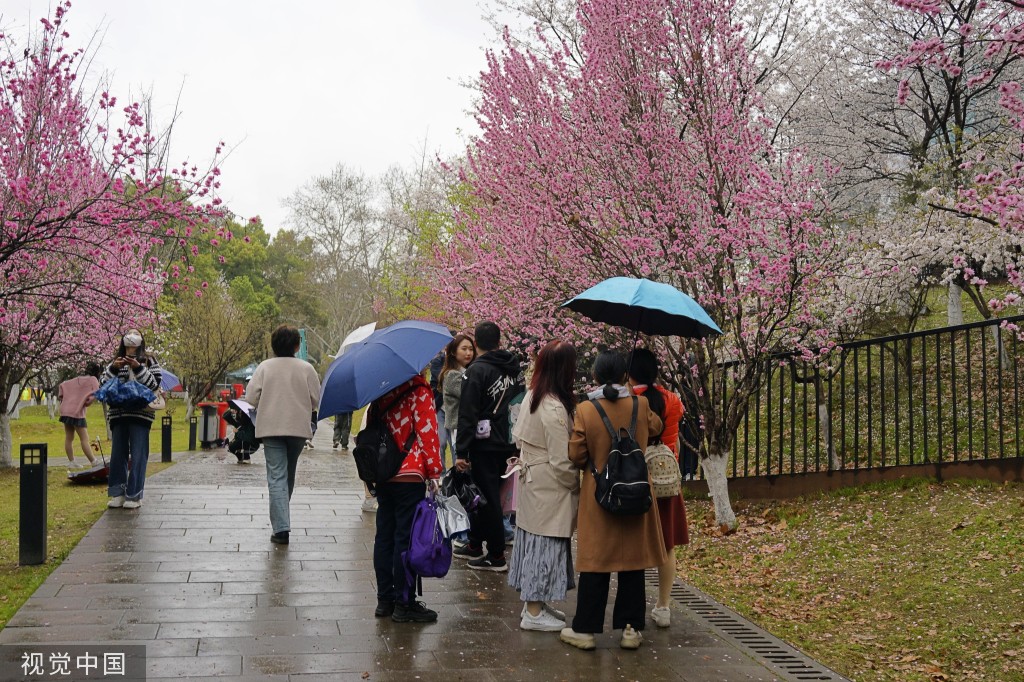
(285,390)
(541,564)
(607,543)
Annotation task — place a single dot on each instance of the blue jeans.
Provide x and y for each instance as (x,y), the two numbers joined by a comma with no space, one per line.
(129,454)
(282,455)
(396,504)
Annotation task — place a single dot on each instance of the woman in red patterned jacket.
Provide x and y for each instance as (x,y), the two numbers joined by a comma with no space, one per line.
(409,411)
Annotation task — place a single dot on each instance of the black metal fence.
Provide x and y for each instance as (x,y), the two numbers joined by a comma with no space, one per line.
(939,395)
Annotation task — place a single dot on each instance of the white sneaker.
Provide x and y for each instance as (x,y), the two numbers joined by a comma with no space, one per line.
(580,640)
(542,622)
(370,505)
(132,504)
(560,615)
(662,616)
(116,502)
(631,639)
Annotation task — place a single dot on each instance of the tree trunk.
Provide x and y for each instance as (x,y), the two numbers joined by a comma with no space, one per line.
(714,466)
(955,309)
(14,402)
(825,419)
(6,442)
(51,405)
(190,408)
(997,336)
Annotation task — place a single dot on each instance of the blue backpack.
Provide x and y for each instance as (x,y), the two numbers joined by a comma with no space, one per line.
(430,553)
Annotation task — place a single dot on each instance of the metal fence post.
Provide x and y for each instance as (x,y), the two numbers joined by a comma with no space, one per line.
(32,518)
(165,438)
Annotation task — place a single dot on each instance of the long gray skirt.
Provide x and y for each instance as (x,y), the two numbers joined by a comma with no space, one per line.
(541,567)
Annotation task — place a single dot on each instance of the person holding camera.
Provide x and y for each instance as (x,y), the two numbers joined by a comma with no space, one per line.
(129,427)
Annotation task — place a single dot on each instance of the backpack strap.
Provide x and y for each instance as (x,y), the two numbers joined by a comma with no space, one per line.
(607,421)
(379,415)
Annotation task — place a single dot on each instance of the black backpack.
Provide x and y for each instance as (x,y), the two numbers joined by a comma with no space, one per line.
(376,453)
(623,488)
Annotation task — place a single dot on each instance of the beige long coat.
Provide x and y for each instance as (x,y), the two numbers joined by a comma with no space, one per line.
(549,484)
(609,543)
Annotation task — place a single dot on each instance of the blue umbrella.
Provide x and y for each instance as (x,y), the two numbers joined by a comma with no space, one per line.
(644,306)
(168,381)
(370,368)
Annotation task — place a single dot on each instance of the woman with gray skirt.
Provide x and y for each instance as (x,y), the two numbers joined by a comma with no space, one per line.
(541,565)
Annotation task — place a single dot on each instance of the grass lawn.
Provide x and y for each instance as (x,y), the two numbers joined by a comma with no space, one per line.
(35,426)
(72,509)
(907,581)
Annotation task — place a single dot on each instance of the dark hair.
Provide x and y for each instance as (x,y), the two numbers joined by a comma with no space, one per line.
(554,374)
(643,369)
(610,368)
(284,340)
(450,362)
(488,336)
(140,352)
(92,369)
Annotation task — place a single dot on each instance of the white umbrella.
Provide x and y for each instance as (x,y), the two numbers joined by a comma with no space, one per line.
(356,336)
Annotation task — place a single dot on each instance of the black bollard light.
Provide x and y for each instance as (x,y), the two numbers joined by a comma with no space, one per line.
(32,521)
(192,426)
(165,438)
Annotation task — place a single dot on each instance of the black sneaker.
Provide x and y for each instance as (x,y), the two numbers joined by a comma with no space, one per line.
(280,538)
(416,612)
(384,609)
(488,563)
(467,551)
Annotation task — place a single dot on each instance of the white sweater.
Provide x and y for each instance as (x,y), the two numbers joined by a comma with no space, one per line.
(284,391)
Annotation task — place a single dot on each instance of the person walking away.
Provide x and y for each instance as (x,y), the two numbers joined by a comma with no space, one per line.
(129,428)
(408,410)
(608,543)
(643,374)
(342,430)
(484,442)
(540,567)
(75,395)
(285,391)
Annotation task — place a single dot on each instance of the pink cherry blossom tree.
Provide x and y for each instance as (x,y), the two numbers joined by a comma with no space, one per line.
(645,156)
(91,224)
(989,200)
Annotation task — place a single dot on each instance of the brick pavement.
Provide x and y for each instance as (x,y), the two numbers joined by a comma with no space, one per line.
(193,577)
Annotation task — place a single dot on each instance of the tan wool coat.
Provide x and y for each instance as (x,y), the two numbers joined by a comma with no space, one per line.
(609,543)
(549,484)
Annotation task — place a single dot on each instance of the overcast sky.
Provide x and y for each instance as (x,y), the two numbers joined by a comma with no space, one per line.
(294,87)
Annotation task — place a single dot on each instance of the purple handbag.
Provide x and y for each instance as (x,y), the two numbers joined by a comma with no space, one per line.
(430,552)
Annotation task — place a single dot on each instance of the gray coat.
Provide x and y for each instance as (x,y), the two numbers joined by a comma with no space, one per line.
(451,393)
(549,484)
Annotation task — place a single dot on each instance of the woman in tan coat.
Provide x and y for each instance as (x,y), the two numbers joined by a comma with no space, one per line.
(607,543)
(549,485)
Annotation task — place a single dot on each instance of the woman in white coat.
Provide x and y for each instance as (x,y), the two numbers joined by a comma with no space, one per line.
(541,565)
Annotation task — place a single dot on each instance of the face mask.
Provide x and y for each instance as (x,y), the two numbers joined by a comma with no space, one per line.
(133,340)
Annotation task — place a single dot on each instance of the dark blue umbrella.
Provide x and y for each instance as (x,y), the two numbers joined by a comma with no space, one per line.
(370,368)
(168,381)
(644,306)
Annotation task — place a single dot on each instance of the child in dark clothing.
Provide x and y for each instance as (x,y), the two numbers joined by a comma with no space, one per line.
(245,441)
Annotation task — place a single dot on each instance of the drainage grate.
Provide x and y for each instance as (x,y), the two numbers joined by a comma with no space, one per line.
(780,657)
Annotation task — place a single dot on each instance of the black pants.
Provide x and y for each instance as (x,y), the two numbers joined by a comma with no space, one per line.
(592,599)
(396,504)
(486,525)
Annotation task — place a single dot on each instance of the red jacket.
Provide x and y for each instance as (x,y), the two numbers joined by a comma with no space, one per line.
(414,411)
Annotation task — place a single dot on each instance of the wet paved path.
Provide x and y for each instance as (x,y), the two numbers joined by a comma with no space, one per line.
(193,576)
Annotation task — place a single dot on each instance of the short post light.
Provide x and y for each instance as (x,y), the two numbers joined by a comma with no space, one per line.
(32,520)
(165,438)
(193,425)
